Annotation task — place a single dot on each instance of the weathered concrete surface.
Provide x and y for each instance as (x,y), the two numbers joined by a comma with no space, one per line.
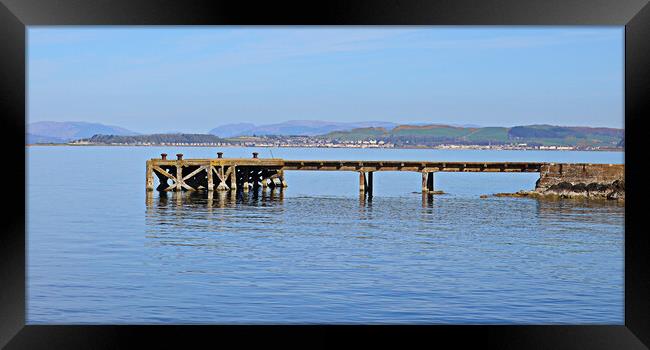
(222,174)
(554,174)
(593,181)
(589,181)
(598,181)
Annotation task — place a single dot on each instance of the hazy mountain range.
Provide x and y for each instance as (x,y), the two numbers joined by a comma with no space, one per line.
(293,127)
(60,132)
(399,134)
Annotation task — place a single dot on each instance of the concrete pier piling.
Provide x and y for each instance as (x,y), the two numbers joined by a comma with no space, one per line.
(427,182)
(246,174)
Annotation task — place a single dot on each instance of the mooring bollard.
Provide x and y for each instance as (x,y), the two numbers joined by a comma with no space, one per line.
(163,156)
(219,154)
(179,156)
(255,154)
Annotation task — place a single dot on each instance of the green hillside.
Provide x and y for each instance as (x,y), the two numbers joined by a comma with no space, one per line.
(489,134)
(566,136)
(435,131)
(358,134)
(546,135)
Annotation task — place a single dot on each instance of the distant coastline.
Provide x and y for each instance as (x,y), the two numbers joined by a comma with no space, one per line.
(465,147)
(321,134)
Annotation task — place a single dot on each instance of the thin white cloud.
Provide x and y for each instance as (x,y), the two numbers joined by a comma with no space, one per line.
(235,46)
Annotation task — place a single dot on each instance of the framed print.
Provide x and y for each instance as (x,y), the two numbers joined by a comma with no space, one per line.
(383,170)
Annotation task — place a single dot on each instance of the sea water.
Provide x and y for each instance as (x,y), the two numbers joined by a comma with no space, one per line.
(99,250)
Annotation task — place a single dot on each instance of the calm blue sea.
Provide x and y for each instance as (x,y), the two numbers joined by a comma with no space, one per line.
(100,251)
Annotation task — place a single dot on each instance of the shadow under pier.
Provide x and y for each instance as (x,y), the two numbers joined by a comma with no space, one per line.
(214,199)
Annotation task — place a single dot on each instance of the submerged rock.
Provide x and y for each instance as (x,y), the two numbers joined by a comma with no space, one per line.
(590,181)
(594,190)
(597,190)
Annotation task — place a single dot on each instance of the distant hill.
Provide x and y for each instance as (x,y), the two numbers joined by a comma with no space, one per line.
(358,134)
(153,139)
(34,139)
(567,135)
(66,131)
(444,134)
(293,127)
(301,131)
(232,130)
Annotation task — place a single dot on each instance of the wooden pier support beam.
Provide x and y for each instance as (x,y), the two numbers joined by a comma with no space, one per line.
(162,177)
(362,181)
(283,181)
(255,179)
(233,178)
(179,176)
(430,182)
(245,180)
(223,178)
(149,176)
(210,169)
(369,187)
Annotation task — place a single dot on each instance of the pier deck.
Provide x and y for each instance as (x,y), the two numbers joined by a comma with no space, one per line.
(417,166)
(231,174)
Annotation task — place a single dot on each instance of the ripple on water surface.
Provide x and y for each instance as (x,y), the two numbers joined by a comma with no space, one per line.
(99,252)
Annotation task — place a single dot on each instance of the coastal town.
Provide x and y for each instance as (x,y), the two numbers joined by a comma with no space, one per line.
(309,142)
(297,134)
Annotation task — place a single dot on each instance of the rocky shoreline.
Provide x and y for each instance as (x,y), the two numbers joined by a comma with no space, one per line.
(614,191)
(578,181)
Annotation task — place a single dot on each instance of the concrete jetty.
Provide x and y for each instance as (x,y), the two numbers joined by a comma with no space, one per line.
(234,174)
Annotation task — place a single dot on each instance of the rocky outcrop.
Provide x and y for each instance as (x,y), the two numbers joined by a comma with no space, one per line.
(593,181)
(596,190)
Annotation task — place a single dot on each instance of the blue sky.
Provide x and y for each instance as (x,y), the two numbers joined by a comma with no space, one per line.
(191,79)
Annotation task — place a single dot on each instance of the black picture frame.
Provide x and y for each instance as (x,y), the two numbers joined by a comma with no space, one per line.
(15,15)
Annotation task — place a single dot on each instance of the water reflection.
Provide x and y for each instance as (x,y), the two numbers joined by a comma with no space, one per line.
(210,199)
(322,250)
(262,230)
(316,253)
(583,211)
(201,205)
(427,200)
(200,217)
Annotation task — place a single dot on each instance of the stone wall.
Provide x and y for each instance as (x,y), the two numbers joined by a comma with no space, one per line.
(582,180)
(554,174)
